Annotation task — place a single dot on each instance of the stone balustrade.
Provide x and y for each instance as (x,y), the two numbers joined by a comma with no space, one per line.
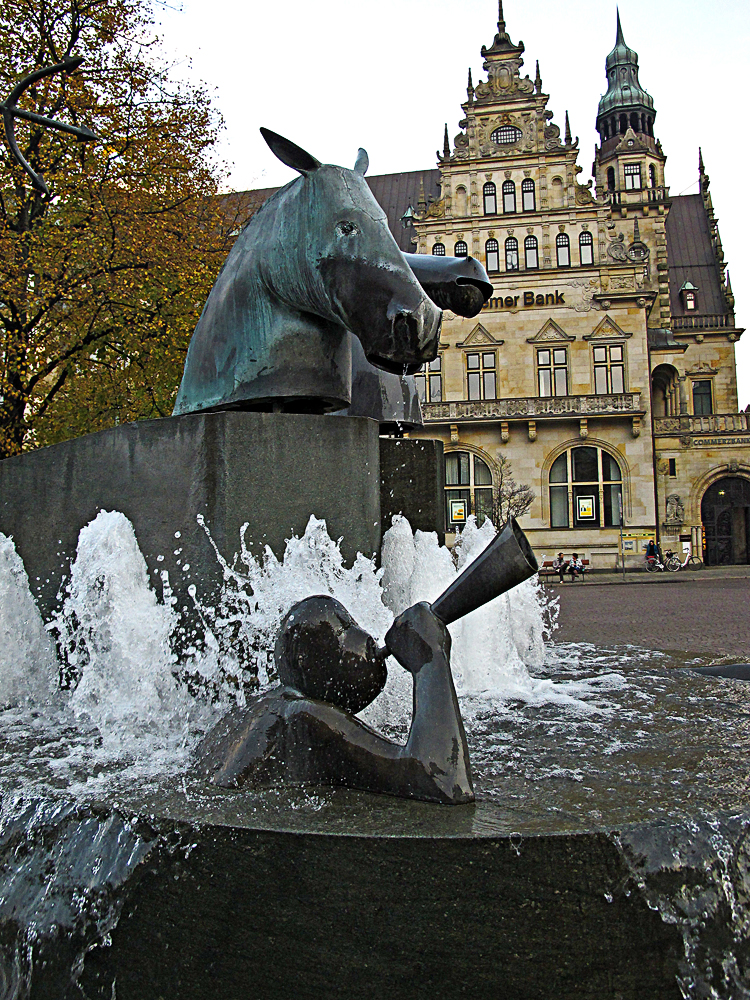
(711,423)
(707,322)
(535,407)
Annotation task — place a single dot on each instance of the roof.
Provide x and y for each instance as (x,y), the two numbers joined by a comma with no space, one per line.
(691,257)
(393,192)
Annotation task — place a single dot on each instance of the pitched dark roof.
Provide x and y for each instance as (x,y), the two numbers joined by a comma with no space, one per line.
(690,255)
(393,192)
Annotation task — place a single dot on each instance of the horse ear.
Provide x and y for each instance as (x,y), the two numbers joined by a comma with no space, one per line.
(294,156)
(363,161)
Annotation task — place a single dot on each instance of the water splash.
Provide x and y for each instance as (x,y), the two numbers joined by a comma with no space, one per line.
(28,667)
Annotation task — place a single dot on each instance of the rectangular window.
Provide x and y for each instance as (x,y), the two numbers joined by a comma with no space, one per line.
(429,381)
(609,369)
(552,371)
(481,378)
(632,176)
(558,502)
(673,466)
(612,504)
(702,403)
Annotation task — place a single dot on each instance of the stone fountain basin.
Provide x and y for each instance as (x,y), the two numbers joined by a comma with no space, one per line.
(606,857)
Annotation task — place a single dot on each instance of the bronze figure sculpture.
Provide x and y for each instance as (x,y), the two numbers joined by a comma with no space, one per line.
(306,732)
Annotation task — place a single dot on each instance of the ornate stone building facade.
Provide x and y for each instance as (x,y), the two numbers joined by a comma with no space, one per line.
(603,366)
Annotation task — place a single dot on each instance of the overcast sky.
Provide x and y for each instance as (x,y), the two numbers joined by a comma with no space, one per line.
(334,74)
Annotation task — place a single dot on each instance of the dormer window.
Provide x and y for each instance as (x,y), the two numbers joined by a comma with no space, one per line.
(689,296)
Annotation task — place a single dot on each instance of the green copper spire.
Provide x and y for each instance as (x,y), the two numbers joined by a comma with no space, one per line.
(626,103)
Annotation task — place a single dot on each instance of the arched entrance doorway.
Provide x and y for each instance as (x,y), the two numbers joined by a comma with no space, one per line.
(725,512)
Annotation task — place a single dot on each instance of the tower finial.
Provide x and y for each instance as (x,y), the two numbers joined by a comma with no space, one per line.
(446,143)
(538,79)
(422,203)
(620,40)
(568,136)
(500,17)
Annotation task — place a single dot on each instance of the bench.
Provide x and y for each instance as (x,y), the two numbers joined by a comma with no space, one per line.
(546,570)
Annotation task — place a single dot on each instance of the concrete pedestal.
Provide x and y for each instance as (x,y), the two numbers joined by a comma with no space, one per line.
(271,470)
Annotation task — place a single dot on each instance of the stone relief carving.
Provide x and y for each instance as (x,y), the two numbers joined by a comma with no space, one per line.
(616,247)
(552,137)
(586,294)
(584,195)
(675,509)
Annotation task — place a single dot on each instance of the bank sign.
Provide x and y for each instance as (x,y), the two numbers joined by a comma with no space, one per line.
(526,299)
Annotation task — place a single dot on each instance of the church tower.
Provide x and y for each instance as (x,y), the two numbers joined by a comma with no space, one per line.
(629,172)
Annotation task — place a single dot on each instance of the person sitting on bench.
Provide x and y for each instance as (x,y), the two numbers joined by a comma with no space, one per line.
(560,565)
(575,568)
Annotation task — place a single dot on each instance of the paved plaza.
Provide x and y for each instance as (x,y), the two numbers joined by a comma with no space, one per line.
(706,613)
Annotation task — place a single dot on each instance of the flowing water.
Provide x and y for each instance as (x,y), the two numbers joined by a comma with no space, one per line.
(98,715)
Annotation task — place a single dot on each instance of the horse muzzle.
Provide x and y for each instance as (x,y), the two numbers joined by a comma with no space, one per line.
(411,339)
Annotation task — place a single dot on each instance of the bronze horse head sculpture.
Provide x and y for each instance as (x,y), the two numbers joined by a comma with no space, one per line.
(316,263)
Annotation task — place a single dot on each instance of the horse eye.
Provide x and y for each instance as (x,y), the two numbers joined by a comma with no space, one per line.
(346,228)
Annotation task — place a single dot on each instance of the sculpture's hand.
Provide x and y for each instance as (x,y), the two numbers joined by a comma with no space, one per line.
(416,636)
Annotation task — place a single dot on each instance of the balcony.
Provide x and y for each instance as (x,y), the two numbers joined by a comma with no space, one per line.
(636,196)
(627,404)
(718,322)
(716,424)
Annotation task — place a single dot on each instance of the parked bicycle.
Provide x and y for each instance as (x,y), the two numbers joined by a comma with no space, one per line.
(671,562)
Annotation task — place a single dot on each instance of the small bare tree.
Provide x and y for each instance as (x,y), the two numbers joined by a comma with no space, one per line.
(509,497)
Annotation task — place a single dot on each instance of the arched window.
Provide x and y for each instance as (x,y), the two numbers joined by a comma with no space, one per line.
(490,198)
(492,255)
(460,249)
(652,175)
(461,202)
(531,253)
(468,489)
(511,254)
(623,124)
(563,250)
(585,489)
(611,179)
(509,197)
(506,134)
(438,249)
(528,195)
(650,123)
(586,248)
(605,129)
(634,122)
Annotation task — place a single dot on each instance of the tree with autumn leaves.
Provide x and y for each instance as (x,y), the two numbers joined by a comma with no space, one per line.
(102,282)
